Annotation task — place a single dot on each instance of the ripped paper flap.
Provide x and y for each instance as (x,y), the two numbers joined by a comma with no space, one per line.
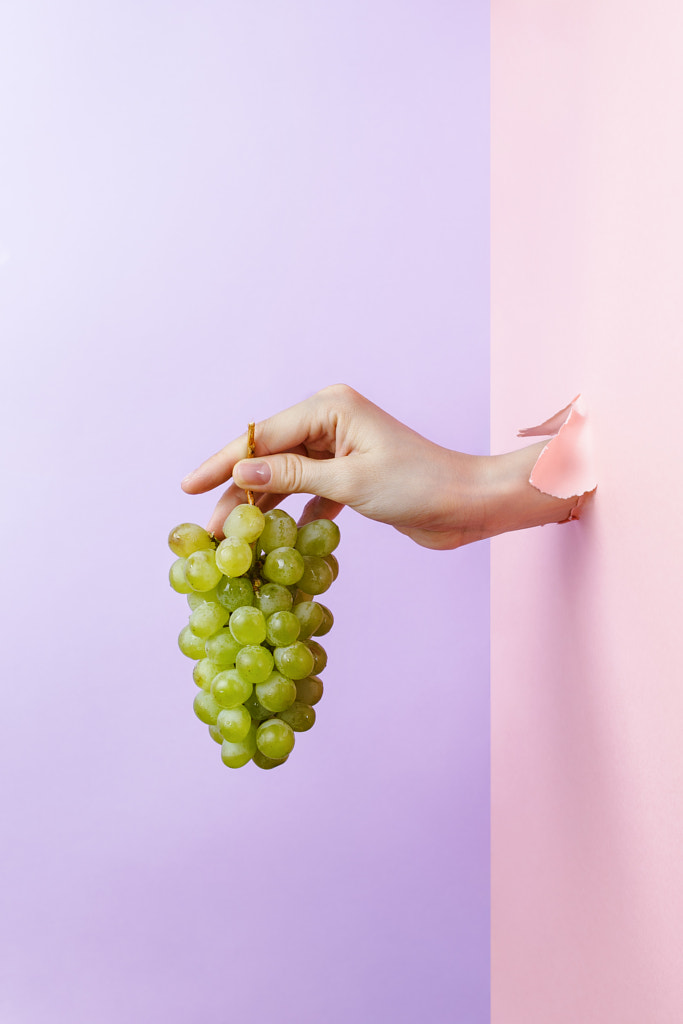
(566,466)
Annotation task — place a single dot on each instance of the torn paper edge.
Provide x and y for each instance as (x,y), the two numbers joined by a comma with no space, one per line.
(565,468)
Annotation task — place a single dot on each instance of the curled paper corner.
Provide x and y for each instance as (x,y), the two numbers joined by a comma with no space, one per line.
(565,468)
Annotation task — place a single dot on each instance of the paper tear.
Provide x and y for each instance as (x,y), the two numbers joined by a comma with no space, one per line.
(565,468)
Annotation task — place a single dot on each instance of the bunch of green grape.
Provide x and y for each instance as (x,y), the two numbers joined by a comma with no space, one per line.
(253,619)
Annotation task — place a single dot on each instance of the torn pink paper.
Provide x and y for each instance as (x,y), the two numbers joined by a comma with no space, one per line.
(565,467)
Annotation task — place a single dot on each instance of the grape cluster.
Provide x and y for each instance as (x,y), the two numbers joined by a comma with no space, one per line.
(253,618)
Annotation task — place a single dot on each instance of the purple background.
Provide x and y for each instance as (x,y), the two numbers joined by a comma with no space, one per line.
(209,211)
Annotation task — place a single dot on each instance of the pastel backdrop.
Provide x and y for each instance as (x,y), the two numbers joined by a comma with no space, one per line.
(208,211)
(587,771)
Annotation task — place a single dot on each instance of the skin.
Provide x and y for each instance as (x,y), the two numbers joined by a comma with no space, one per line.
(345,450)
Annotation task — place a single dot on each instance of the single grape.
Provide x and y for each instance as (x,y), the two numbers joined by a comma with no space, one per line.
(229,689)
(188,537)
(222,648)
(204,672)
(191,645)
(276,693)
(206,708)
(282,628)
(317,575)
(177,577)
(274,738)
(333,564)
(245,522)
(271,598)
(234,593)
(310,615)
(327,622)
(235,755)
(284,566)
(319,537)
(256,709)
(254,663)
(201,570)
(261,761)
(194,599)
(279,531)
(300,716)
(294,661)
(207,618)
(248,625)
(234,723)
(319,656)
(233,556)
(215,733)
(309,690)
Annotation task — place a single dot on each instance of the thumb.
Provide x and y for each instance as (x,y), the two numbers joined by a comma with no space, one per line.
(292,474)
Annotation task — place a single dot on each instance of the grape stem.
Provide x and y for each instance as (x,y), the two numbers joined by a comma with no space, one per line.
(251,452)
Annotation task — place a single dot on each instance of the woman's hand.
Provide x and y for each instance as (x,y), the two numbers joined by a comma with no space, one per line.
(340,447)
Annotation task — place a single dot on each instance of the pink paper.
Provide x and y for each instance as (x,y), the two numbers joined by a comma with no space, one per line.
(565,467)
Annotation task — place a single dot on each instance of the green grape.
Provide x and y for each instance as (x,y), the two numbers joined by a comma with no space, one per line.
(254,663)
(300,716)
(276,693)
(319,656)
(310,615)
(203,673)
(215,733)
(222,648)
(274,738)
(233,556)
(271,598)
(235,755)
(256,709)
(283,565)
(245,522)
(234,593)
(229,688)
(261,761)
(309,690)
(319,537)
(207,618)
(327,622)
(234,723)
(201,570)
(188,537)
(177,578)
(248,625)
(282,628)
(333,564)
(206,708)
(191,645)
(194,599)
(294,661)
(279,531)
(317,575)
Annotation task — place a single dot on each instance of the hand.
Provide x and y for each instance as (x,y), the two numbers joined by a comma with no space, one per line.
(340,447)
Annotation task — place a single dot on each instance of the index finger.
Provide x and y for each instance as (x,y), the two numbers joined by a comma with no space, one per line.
(279,433)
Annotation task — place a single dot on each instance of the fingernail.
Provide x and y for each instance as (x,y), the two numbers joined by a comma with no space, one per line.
(248,472)
(186,479)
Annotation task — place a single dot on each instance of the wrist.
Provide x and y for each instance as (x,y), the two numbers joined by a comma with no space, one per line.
(511,502)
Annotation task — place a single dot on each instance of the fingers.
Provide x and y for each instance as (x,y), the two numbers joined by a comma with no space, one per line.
(286,431)
(290,473)
(319,508)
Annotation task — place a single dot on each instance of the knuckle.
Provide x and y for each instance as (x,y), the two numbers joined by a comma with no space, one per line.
(341,393)
(292,473)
